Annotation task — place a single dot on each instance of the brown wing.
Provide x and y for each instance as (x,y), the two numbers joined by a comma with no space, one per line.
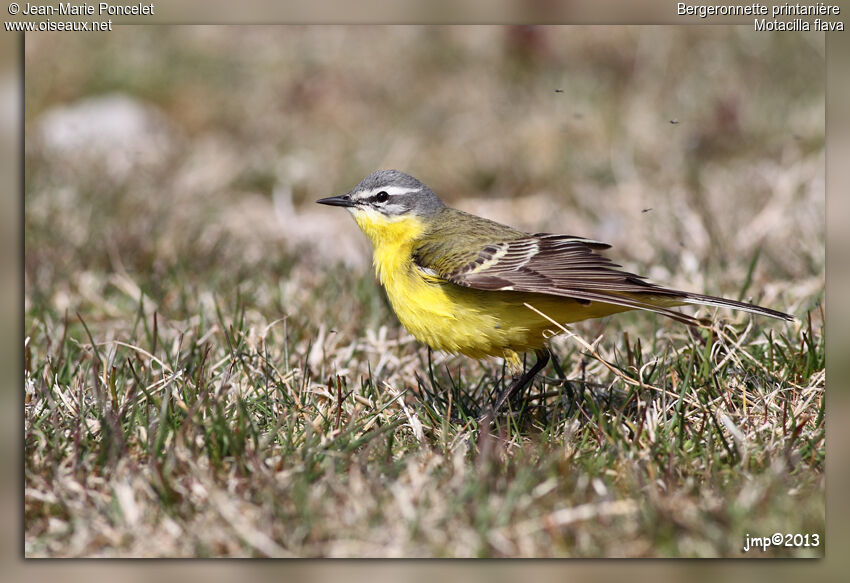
(549,263)
(566,266)
(498,257)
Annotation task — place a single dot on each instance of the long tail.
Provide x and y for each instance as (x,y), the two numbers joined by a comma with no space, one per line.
(701,300)
(662,301)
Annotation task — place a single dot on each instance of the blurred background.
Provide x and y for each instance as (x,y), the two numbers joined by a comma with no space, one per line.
(193,154)
(174,169)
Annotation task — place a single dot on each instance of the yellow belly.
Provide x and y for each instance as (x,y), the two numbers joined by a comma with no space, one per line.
(457,319)
(480,323)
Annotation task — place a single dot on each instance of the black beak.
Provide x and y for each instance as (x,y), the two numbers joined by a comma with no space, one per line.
(341,200)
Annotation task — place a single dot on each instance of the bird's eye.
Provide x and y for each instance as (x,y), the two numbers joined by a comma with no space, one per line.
(381,197)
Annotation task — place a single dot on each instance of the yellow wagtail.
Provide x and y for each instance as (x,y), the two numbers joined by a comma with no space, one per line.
(466,284)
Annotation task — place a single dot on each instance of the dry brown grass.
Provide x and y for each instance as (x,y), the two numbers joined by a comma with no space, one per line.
(212,370)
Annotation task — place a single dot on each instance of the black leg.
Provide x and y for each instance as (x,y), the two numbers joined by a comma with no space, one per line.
(521,381)
(570,403)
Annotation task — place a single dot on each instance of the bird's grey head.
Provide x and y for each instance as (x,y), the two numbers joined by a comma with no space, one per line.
(391,193)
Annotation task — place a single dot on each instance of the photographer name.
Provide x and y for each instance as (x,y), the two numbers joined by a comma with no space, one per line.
(101,9)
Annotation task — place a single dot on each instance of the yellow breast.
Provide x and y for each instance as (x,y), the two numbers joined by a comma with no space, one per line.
(453,318)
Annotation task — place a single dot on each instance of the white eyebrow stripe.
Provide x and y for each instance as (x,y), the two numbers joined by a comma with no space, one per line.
(391,190)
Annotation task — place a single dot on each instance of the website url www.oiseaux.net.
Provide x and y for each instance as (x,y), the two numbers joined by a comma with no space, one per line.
(52,25)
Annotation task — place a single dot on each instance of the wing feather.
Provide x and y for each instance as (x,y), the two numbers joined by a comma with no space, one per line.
(564,266)
(550,264)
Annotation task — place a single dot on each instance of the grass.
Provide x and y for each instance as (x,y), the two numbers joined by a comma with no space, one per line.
(218,437)
(211,369)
